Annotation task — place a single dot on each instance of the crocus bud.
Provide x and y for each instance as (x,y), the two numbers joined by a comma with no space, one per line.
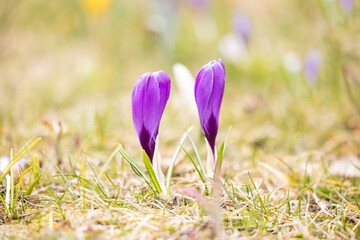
(242,26)
(149,97)
(312,65)
(209,90)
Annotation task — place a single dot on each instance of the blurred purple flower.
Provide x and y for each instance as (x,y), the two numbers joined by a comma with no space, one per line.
(199,4)
(149,98)
(209,90)
(347,5)
(242,26)
(312,65)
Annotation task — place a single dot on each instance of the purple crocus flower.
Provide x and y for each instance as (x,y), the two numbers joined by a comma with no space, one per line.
(149,97)
(242,26)
(199,4)
(347,5)
(209,90)
(312,65)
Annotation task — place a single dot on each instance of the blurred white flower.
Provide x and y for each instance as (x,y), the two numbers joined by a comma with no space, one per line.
(185,83)
(232,48)
(292,62)
(347,165)
(4,162)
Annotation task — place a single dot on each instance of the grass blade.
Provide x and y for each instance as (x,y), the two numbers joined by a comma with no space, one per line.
(32,185)
(134,166)
(173,160)
(20,179)
(6,207)
(229,194)
(29,145)
(287,201)
(219,160)
(197,154)
(196,168)
(151,172)
(221,154)
(107,163)
(68,184)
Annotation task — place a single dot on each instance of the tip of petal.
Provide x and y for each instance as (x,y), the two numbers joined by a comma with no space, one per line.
(222,65)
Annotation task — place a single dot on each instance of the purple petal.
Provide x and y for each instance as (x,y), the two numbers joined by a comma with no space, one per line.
(210,130)
(199,4)
(203,89)
(209,90)
(347,5)
(147,142)
(242,26)
(164,86)
(222,65)
(149,98)
(151,112)
(138,95)
(312,65)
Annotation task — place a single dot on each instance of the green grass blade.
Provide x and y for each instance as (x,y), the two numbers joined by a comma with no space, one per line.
(221,154)
(302,191)
(192,160)
(32,185)
(226,139)
(134,166)
(5,206)
(230,195)
(219,160)
(101,190)
(112,183)
(29,145)
(173,160)
(197,155)
(36,165)
(63,177)
(151,172)
(20,179)
(107,163)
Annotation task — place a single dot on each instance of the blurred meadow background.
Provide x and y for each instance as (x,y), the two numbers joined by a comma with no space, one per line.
(292,99)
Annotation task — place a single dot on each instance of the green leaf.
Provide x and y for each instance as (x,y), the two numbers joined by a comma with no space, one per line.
(151,172)
(221,154)
(134,166)
(32,185)
(219,160)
